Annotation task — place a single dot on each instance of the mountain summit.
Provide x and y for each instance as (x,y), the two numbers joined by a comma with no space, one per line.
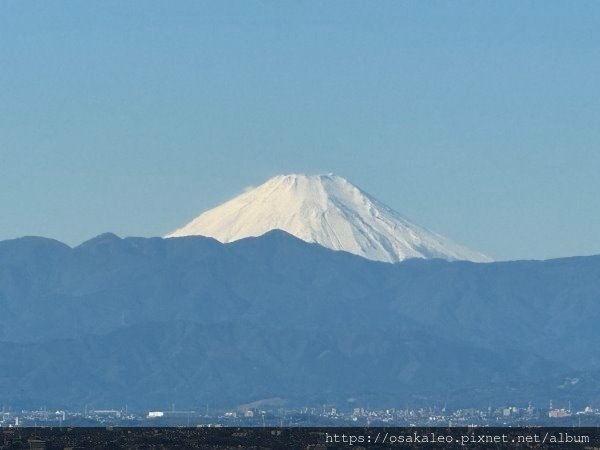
(327,210)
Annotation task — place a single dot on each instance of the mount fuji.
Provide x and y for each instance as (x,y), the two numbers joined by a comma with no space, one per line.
(327,210)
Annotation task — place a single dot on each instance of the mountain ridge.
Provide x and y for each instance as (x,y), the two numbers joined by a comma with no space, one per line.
(274,316)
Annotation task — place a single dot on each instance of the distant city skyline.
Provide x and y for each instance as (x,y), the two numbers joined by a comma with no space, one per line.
(479,121)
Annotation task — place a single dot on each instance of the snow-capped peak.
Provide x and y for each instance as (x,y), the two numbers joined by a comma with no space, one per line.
(327,210)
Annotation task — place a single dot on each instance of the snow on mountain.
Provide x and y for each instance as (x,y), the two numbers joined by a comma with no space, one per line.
(327,210)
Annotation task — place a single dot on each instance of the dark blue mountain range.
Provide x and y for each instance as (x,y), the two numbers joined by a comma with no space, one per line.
(150,322)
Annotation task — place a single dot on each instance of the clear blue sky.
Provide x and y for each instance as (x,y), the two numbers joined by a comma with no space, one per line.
(478,120)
